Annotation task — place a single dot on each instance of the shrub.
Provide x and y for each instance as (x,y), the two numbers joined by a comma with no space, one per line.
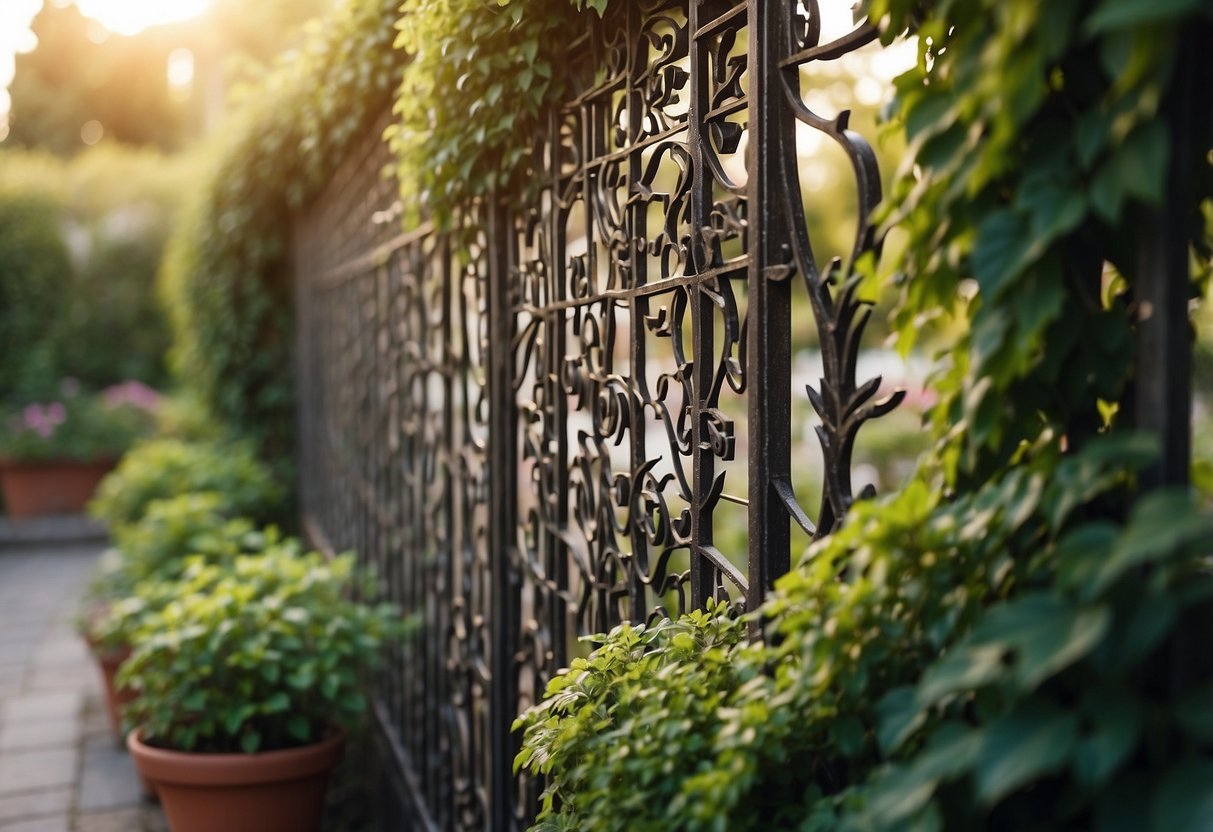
(117,205)
(260,655)
(670,730)
(182,415)
(35,276)
(161,468)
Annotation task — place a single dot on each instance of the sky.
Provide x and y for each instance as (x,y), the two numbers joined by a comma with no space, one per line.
(126,17)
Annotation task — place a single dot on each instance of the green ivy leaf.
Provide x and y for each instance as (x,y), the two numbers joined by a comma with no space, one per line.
(1184,802)
(999,253)
(1125,14)
(1027,744)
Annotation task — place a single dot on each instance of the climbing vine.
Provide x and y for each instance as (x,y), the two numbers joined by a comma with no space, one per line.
(226,275)
(482,77)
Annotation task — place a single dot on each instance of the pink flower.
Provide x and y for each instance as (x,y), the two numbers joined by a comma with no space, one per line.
(132,393)
(56,413)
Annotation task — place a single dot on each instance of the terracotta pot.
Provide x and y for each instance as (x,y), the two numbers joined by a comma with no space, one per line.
(272,791)
(36,489)
(115,697)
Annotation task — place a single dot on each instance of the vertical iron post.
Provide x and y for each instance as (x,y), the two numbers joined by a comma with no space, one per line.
(768,365)
(503,475)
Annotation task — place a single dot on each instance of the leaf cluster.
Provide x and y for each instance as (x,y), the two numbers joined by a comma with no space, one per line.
(260,654)
(35,273)
(141,579)
(480,82)
(1037,137)
(158,468)
(876,643)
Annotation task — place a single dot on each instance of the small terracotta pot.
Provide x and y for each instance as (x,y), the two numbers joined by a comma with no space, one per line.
(36,489)
(272,791)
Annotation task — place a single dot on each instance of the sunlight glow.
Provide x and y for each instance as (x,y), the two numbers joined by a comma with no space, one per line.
(180,68)
(128,17)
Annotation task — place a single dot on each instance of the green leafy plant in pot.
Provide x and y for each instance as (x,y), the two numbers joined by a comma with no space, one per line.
(139,576)
(244,683)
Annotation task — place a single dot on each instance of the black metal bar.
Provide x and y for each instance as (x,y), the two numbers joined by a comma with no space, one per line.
(703,573)
(768,365)
(1163,384)
(638,310)
(503,490)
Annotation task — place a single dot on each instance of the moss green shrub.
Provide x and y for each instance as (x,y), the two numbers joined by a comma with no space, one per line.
(170,529)
(143,575)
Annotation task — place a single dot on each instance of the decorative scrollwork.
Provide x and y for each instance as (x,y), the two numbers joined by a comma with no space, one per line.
(544,422)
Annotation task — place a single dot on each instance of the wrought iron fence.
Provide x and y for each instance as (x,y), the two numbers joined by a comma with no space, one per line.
(541,423)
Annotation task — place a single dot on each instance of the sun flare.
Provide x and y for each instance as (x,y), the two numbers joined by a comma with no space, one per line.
(127,17)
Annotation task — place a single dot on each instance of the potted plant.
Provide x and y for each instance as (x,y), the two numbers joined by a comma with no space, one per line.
(53,454)
(138,577)
(244,682)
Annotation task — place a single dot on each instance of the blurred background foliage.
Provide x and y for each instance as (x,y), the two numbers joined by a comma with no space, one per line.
(103,218)
(101,144)
(81,71)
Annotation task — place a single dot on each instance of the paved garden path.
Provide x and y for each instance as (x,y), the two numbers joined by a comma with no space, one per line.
(60,770)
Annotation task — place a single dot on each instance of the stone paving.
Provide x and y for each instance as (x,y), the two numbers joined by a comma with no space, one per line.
(60,769)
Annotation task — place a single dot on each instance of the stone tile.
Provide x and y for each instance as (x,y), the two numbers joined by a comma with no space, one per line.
(35,804)
(39,735)
(29,770)
(122,820)
(63,649)
(52,677)
(108,779)
(15,654)
(21,631)
(57,705)
(55,823)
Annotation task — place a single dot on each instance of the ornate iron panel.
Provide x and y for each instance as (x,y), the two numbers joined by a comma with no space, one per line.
(577,407)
